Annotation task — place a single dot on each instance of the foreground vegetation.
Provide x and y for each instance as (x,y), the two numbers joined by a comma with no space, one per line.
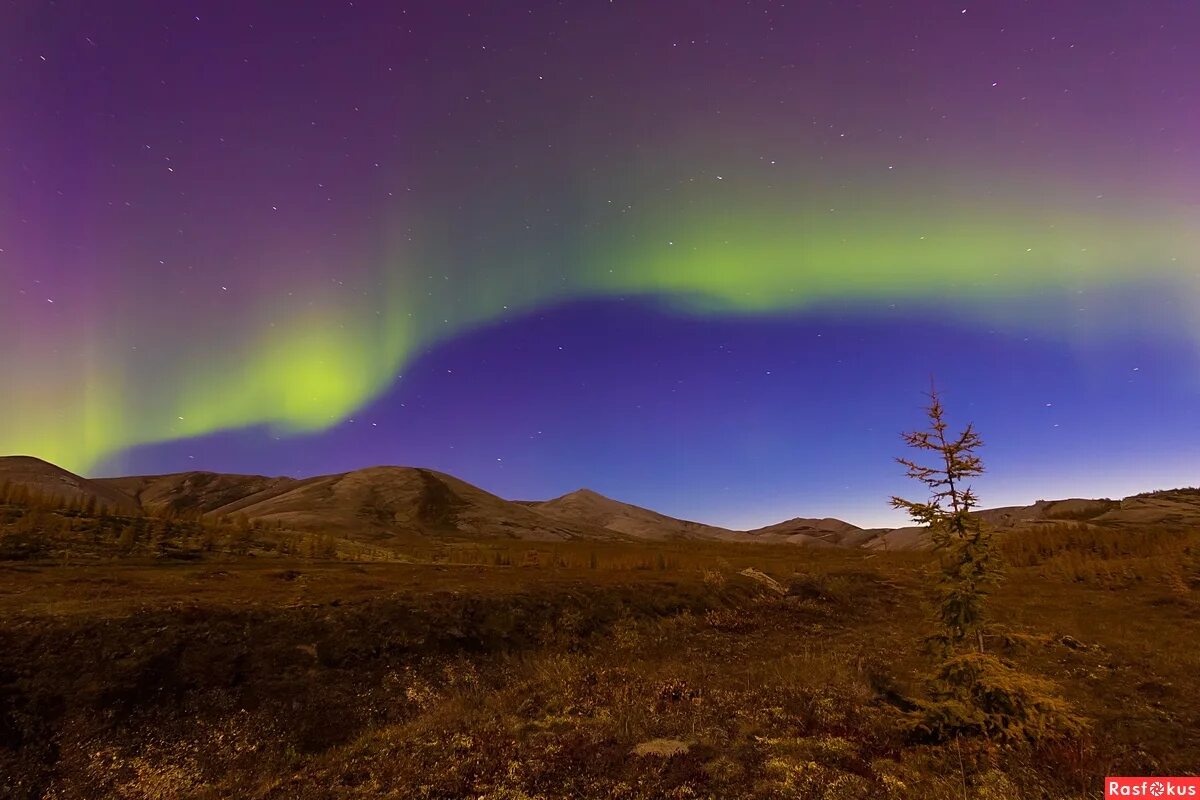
(531,670)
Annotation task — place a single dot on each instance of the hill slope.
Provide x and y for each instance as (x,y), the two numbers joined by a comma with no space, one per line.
(595,510)
(382,503)
(827,532)
(49,481)
(192,492)
(373,504)
(1171,507)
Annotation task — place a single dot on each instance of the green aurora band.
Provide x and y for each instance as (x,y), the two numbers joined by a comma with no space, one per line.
(733,255)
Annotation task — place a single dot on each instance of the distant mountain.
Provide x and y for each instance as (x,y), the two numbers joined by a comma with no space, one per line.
(382,504)
(1170,507)
(46,480)
(595,510)
(374,504)
(1179,507)
(827,532)
(193,492)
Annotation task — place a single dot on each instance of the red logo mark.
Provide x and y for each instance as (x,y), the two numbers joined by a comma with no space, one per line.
(1119,787)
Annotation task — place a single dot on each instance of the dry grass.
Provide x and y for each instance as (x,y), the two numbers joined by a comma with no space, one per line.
(521,670)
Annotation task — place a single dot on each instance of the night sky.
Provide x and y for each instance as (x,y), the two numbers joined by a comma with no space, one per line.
(700,256)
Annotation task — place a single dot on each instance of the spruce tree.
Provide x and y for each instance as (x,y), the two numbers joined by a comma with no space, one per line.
(973,693)
(969,563)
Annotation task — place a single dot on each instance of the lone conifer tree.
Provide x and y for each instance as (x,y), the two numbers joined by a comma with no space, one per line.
(973,693)
(969,563)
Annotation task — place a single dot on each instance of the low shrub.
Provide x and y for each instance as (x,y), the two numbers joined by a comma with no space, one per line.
(982,695)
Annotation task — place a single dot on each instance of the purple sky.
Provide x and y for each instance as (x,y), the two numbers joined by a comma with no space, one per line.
(664,250)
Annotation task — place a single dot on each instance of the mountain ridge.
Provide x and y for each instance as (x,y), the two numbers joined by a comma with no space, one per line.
(381,504)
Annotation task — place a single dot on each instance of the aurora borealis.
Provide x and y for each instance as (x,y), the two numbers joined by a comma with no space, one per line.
(702,256)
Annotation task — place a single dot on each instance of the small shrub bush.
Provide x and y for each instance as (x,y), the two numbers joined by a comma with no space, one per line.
(981,695)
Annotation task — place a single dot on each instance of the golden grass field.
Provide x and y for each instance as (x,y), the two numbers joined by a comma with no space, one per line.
(579,669)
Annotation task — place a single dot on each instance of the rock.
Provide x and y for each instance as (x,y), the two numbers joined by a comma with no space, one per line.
(766,580)
(663,748)
(807,587)
(1072,643)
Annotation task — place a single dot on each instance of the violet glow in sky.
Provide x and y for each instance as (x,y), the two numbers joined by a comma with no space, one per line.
(699,256)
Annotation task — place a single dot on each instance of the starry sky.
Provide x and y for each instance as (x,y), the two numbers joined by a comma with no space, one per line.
(700,256)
